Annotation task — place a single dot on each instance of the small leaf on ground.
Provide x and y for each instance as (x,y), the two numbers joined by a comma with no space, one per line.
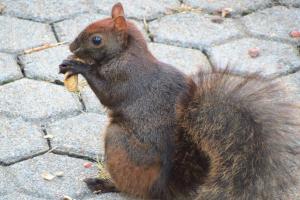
(67,197)
(59,173)
(48,136)
(87,165)
(47,176)
(254,52)
(295,34)
(2,7)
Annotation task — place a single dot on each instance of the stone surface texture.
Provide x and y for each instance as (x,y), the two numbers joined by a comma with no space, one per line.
(90,100)
(28,175)
(19,140)
(192,30)
(186,60)
(9,69)
(69,29)
(290,2)
(81,135)
(45,128)
(276,22)
(7,184)
(110,196)
(19,196)
(45,10)
(37,100)
(139,9)
(18,34)
(274,58)
(237,6)
(43,65)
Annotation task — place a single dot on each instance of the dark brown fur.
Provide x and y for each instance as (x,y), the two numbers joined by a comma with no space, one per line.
(245,126)
(219,137)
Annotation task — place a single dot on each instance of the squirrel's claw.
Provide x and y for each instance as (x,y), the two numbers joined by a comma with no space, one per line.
(64,66)
(97,185)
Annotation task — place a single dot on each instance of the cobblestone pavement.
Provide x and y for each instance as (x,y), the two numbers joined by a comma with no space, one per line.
(45,128)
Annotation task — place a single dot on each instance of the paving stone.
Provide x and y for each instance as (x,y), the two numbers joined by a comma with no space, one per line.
(8,185)
(37,100)
(28,176)
(44,64)
(186,60)
(290,2)
(238,6)
(138,9)
(67,30)
(19,139)
(9,69)
(17,34)
(45,10)
(110,196)
(91,102)
(275,58)
(276,22)
(192,30)
(19,196)
(69,133)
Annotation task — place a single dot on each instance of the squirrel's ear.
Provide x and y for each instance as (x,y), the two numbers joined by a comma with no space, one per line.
(117,10)
(120,23)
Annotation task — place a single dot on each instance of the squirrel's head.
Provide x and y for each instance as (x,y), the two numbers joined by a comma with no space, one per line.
(103,39)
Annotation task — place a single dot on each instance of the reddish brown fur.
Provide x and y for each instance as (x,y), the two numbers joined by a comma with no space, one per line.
(99,26)
(127,176)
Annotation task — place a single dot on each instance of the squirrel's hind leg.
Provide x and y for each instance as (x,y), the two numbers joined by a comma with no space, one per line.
(97,185)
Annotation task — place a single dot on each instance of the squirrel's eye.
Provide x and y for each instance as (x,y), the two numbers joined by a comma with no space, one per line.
(96,40)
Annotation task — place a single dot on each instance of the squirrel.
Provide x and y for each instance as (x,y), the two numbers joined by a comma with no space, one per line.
(210,136)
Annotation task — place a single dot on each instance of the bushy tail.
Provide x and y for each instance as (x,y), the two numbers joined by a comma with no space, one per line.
(246,126)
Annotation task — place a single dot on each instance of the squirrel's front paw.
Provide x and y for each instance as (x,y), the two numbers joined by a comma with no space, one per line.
(73,67)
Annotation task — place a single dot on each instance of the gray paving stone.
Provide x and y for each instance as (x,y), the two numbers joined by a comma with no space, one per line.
(138,9)
(19,196)
(9,69)
(17,34)
(43,65)
(186,60)
(290,2)
(7,184)
(192,30)
(37,100)
(275,58)
(19,139)
(238,6)
(276,22)
(110,196)
(69,133)
(45,10)
(28,176)
(67,30)
(91,102)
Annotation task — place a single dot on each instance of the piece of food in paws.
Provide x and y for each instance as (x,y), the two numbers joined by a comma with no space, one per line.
(71,82)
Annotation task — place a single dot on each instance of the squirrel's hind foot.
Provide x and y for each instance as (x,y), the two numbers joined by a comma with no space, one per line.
(97,185)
